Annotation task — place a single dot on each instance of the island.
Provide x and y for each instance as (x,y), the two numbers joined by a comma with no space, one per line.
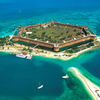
(53,39)
(91,88)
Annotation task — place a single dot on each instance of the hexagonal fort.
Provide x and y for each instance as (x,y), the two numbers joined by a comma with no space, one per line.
(54,35)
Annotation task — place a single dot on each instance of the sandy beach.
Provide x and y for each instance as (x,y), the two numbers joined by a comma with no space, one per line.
(93,89)
(17,48)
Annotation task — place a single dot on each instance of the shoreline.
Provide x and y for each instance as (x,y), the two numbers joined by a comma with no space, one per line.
(18,48)
(91,88)
(43,53)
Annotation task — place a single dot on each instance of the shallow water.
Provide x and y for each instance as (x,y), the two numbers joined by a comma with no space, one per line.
(79,17)
(19,78)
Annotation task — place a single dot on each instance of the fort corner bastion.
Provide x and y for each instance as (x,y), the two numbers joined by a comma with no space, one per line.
(54,35)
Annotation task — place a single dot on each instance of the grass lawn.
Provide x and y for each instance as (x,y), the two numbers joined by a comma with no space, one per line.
(52,33)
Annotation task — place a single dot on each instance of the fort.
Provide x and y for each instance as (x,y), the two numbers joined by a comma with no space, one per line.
(54,35)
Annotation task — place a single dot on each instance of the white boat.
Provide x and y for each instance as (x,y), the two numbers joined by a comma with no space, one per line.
(41,86)
(66,76)
(24,56)
(28,56)
(20,55)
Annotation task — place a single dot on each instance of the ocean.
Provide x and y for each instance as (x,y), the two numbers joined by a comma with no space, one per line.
(11,20)
(19,78)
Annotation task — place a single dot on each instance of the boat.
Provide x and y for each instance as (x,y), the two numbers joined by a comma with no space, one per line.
(41,86)
(28,56)
(66,76)
(20,55)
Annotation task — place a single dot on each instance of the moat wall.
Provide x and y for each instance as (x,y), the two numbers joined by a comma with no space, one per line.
(56,23)
(51,46)
(48,45)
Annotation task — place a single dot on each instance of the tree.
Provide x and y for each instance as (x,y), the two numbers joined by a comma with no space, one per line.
(69,36)
(74,30)
(78,33)
(62,33)
(30,50)
(24,34)
(43,33)
(70,51)
(90,44)
(75,47)
(24,49)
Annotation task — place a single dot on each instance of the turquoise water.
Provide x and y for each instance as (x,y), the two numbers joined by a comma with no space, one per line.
(19,78)
(89,17)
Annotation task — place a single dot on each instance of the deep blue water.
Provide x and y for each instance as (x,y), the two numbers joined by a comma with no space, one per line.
(93,65)
(15,12)
(19,78)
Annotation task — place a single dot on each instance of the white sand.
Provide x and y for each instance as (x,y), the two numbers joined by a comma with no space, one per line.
(59,55)
(93,89)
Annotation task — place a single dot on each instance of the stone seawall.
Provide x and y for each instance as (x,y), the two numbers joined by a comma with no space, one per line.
(51,45)
(77,41)
(48,45)
(56,23)
(70,25)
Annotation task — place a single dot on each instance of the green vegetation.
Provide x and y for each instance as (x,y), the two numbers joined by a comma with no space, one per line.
(30,50)
(52,33)
(77,48)
(70,51)
(55,33)
(90,44)
(5,41)
(73,50)
(24,49)
(32,45)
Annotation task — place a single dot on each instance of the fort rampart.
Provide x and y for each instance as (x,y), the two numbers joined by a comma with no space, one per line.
(54,46)
(51,45)
(48,45)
